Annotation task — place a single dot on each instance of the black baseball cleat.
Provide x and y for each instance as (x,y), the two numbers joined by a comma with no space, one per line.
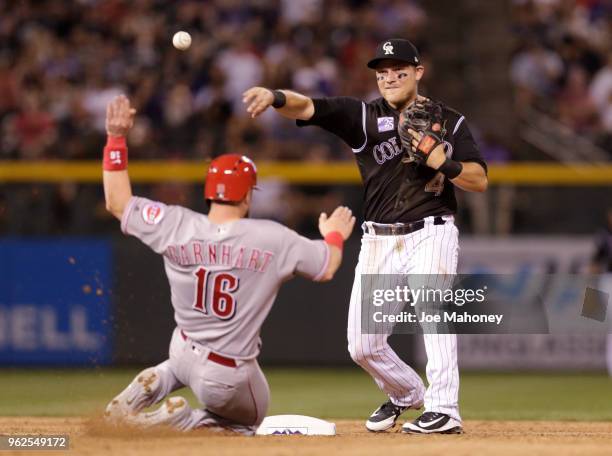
(384,417)
(433,423)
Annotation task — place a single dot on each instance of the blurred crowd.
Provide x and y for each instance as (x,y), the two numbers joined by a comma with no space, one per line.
(563,63)
(61,62)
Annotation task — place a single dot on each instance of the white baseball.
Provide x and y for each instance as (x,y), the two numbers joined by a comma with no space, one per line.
(181,40)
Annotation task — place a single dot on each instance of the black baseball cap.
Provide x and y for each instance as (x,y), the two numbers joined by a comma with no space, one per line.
(396,49)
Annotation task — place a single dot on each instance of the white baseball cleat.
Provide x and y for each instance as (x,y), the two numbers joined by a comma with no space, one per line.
(175,412)
(433,423)
(138,395)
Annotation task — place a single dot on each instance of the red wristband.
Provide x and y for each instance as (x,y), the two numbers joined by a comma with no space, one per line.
(335,238)
(115,154)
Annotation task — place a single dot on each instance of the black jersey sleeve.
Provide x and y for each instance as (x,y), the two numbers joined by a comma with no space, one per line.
(465,148)
(342,116)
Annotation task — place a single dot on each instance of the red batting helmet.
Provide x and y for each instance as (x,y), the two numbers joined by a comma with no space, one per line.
(230,177)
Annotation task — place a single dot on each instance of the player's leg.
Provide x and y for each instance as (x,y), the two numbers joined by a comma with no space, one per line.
(236,398)
(176,412)
(434,253)
(149,387)
(372,351)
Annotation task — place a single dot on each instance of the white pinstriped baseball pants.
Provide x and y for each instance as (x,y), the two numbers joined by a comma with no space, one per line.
(430,250)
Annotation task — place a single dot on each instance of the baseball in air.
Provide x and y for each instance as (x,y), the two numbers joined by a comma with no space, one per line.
(181,40)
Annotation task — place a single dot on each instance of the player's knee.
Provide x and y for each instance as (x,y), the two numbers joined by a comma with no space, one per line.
(360,353)
(149,380)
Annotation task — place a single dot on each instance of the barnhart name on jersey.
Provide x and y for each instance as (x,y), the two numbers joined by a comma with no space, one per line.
(199,252)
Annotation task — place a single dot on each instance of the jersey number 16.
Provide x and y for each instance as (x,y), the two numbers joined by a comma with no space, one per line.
(223,304)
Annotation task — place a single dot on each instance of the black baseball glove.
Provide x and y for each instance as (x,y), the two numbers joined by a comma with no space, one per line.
(424,117)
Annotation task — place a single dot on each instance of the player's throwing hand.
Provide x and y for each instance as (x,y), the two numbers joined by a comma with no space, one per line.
(341,220)
(119,116)
(258,100)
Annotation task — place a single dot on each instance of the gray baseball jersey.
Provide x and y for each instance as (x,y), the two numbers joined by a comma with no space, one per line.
(223,278)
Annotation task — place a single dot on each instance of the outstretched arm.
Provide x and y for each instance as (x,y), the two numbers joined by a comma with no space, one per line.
(117,188)
(335,229)
(289,104)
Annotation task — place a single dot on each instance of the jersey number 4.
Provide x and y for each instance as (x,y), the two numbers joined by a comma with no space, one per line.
(223,304)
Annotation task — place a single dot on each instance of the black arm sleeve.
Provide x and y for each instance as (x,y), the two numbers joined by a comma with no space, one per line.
(342,116)
(465,149)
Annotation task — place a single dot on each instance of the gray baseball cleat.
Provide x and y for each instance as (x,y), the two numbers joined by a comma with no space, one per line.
(433,423)
(384,417)
(174,412)
(138,395)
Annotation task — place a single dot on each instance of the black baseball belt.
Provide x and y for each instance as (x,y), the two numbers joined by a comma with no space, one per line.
(399,229)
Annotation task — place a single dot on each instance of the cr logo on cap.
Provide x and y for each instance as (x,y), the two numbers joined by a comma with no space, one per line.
(388,48)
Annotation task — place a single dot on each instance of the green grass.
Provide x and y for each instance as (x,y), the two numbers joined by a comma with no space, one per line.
(326,393)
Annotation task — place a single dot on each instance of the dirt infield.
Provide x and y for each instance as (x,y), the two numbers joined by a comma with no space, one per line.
(482,437)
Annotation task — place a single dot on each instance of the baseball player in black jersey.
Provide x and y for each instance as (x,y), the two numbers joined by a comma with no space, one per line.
(412,152)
